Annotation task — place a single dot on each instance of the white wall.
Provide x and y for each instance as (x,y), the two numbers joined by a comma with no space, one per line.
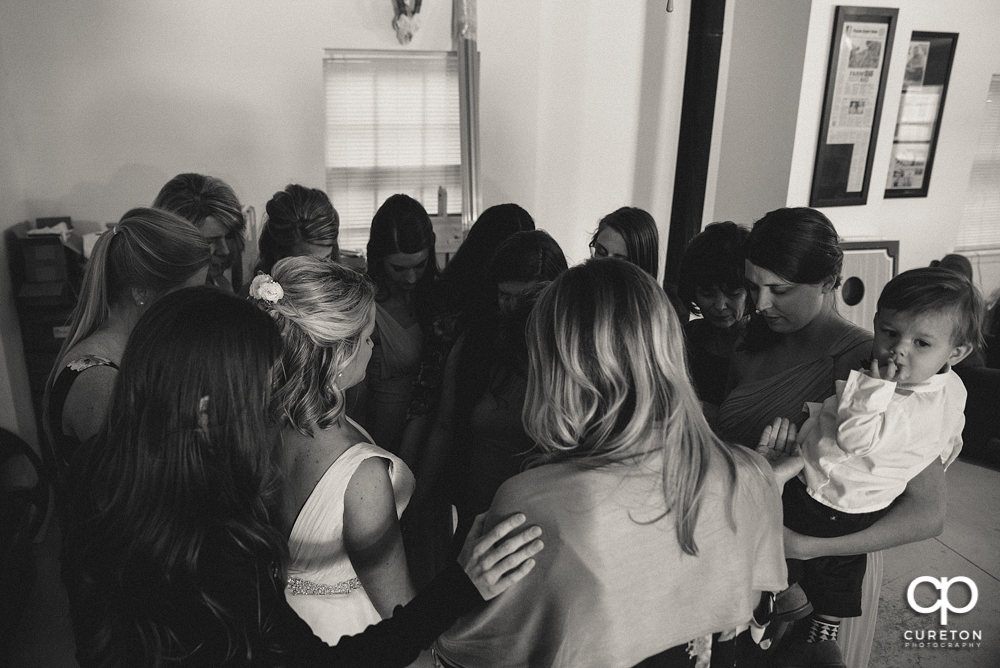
(927,228)
(580,106)
(756,136)
(103,101)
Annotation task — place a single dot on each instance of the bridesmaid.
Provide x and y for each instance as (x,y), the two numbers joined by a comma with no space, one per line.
(710,283)
(148,254)
(402,265)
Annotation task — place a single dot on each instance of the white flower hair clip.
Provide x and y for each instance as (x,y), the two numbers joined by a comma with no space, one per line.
(265,288)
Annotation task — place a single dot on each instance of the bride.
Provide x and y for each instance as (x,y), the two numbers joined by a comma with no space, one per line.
(342,495)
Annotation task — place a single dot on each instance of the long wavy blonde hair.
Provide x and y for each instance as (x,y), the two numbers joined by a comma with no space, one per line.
(324,310)
(607,383)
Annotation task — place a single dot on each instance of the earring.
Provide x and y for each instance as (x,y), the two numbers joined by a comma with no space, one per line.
(142,303)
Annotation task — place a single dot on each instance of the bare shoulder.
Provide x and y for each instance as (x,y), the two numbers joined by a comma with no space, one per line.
(369,503)
(370,480)
(87,401)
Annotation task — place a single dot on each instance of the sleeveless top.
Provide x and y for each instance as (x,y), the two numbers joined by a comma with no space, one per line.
(323,587)
(65,446)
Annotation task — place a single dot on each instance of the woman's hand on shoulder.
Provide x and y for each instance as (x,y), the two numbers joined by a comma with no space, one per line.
(494,561)
(779,447)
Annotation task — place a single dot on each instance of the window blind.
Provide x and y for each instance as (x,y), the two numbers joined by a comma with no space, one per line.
(392,126)
(980,227)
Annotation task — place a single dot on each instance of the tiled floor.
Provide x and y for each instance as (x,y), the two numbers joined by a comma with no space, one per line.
(969,546)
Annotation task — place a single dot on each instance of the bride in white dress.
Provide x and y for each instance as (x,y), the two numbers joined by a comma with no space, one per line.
(342,495)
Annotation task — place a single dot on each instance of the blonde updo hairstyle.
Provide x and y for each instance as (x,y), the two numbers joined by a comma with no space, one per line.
(607,383)
(323,312)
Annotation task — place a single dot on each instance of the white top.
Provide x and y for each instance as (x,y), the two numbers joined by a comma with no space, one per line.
(330,597)
(862,445)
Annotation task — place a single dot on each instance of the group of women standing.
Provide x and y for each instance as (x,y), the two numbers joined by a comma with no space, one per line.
(235,469)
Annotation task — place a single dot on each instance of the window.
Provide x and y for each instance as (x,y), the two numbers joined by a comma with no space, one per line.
(980,226)
(392,126)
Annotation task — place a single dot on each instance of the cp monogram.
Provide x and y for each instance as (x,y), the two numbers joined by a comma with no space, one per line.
(942,603)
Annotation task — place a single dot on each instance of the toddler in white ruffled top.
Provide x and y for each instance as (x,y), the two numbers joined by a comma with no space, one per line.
(861,446)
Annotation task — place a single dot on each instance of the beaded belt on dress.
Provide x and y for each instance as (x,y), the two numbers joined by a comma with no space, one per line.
(300,587)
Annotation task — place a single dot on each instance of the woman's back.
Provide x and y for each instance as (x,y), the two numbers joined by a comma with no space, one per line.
(614,585)
(323,586)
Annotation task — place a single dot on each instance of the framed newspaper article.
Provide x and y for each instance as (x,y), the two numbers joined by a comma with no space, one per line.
(925,83)
(852,105)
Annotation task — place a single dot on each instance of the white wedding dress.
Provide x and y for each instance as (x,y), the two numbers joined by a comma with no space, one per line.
(323,588)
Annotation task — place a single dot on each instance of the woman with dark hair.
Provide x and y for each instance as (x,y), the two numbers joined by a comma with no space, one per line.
(459,296)
(628,234)
(796,343)
(172,555)
(660,536)
(962,266)
(795,347)
(212,206)
(145,256)
(710,283)
(463,282)
(478,440)
(403,266)
(300,221)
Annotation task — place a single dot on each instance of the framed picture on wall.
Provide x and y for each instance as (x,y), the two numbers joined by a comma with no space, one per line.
(852,105)
(928,68)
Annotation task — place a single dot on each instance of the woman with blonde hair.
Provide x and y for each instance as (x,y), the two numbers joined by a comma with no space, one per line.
(172,555)
(342,494)
(660,536)
(211,205)
(146,255)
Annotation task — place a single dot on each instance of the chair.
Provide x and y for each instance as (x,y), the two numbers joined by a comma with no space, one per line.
(25,489)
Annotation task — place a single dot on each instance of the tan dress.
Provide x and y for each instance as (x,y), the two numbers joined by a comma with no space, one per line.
(612,586)
(754,405)
(392,370)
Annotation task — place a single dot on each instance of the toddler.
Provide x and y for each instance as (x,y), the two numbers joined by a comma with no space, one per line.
(883,426)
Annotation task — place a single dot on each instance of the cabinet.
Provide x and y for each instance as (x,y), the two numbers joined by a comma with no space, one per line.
(46,275)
